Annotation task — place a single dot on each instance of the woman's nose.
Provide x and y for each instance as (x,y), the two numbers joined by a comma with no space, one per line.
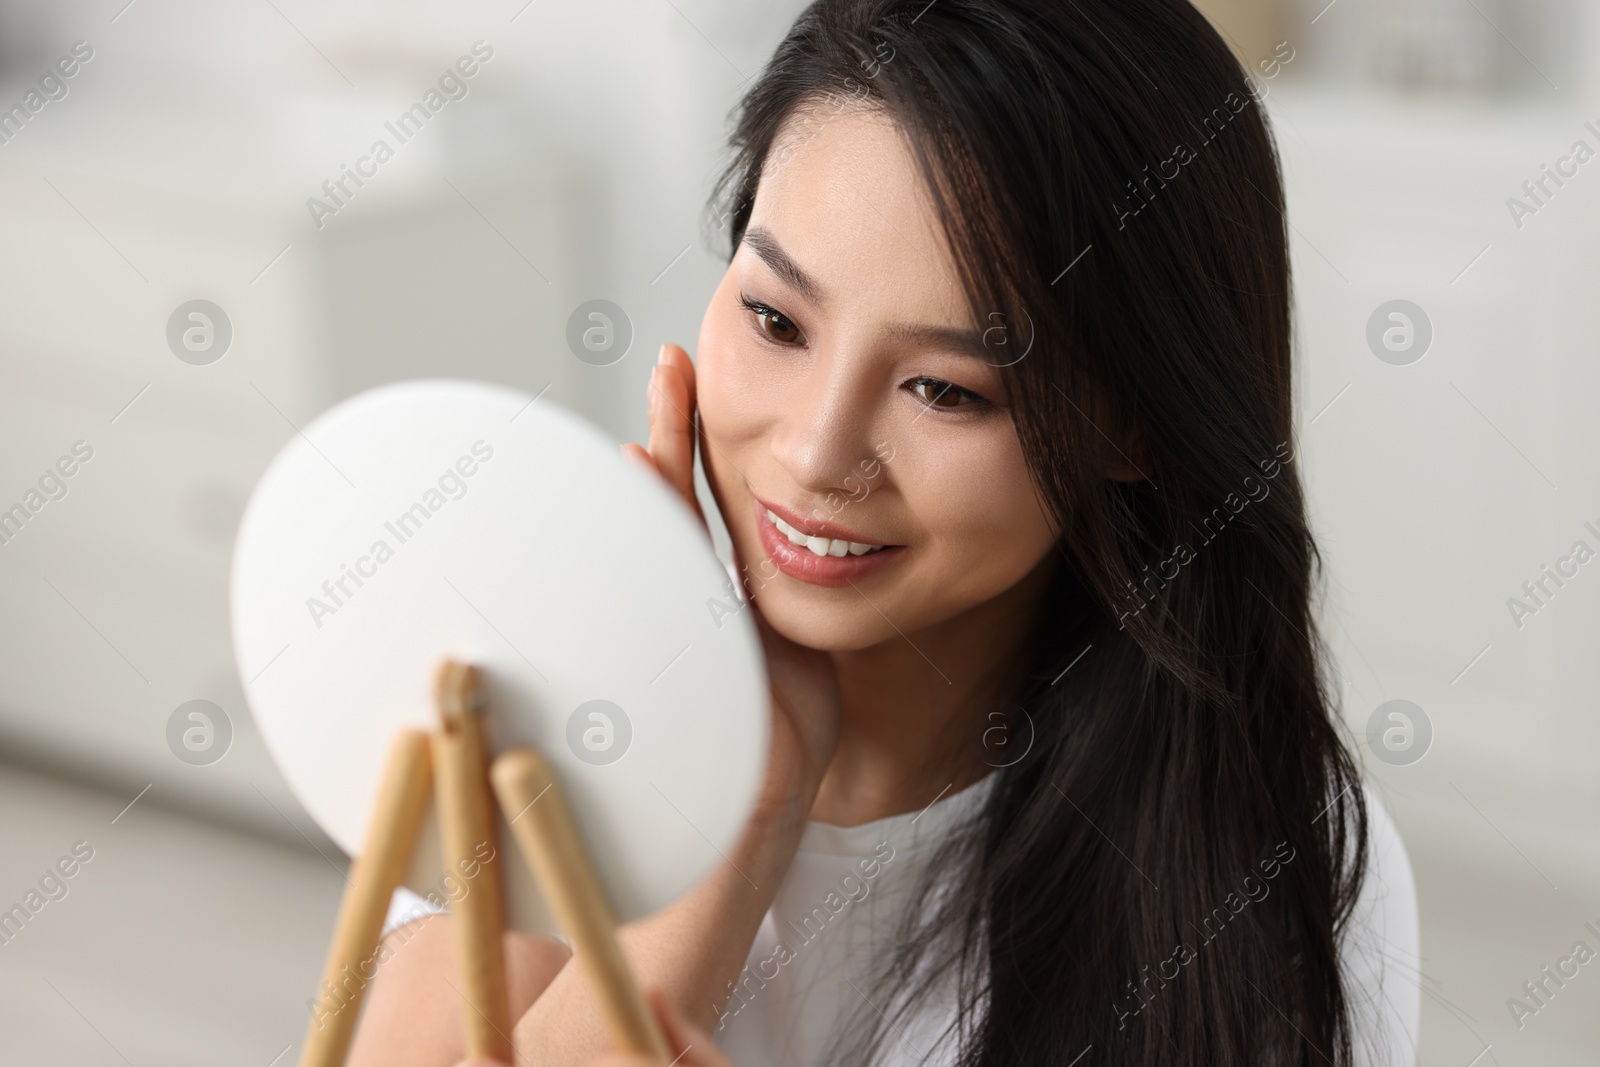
(826,432)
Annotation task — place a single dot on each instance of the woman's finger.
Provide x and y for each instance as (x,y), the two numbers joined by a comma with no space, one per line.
(672,436)
(636,454)
(676,356)
(671,407)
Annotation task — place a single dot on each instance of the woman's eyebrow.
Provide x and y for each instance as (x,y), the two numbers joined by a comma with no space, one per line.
(772,254)
(952,339)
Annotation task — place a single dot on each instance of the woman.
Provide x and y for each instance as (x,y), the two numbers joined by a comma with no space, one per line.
(995,402)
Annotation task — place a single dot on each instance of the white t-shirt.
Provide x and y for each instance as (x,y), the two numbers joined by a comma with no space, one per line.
(813,959)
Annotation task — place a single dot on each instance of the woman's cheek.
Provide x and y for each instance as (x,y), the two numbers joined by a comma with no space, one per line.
(730,401)
(733,381)
(714,366)
(982,504)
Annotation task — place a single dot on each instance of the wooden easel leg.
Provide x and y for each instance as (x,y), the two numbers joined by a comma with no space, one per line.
(467,829)
(533,803)
(391,837)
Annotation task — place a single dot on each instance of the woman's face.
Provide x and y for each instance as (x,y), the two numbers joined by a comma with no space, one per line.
(844,387)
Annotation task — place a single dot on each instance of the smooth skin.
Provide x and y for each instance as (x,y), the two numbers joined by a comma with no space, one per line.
(839,333)
(692,1047)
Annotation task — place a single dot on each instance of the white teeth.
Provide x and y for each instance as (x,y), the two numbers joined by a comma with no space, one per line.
(821,546)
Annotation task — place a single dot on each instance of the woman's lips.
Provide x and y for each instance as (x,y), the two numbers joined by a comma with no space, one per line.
(799,562)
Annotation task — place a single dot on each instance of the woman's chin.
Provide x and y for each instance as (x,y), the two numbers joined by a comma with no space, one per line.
(824,628)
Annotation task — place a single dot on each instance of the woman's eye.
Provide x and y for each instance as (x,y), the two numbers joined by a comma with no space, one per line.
(941,394)
(774,324)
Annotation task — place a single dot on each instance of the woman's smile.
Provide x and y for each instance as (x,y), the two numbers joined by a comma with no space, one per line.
(817,551)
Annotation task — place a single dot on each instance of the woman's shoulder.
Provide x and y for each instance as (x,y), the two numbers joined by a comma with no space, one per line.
(1380,948)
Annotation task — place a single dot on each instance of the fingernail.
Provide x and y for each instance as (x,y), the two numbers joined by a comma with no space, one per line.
(661,357)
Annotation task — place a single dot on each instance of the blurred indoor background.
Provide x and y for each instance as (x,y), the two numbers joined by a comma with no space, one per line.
(1447,466)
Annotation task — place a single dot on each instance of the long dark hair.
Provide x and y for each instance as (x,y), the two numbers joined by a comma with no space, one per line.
(1165,877)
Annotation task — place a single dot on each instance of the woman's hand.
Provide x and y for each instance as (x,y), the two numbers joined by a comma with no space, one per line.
(805,692)
(670,407)
(805,721)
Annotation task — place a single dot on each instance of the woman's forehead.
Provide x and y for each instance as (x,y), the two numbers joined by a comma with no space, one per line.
(843,198)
